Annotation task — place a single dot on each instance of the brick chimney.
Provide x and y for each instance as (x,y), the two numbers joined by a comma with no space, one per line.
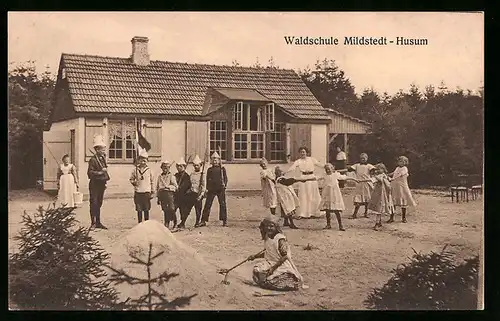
(140,55)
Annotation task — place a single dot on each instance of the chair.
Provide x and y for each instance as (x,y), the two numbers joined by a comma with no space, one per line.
(476,186)
(459,189)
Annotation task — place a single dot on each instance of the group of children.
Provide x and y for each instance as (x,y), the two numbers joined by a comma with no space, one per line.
(181,190)
(376,190)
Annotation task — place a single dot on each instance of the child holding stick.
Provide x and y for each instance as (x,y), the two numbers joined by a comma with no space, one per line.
(166,186)
(331,196)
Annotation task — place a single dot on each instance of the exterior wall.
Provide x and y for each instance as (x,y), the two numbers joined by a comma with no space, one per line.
(240,176)
(319,142)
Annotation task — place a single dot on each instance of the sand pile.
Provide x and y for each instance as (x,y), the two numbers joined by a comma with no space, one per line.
(195,275)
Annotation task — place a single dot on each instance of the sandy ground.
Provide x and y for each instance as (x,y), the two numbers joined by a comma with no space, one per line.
(340,269)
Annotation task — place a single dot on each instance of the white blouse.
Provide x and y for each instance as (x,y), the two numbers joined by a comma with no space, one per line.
(305,165)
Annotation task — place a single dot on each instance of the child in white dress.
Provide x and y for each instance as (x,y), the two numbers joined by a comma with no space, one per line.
(364,188)
(401,194)
(381,200)
(331,197)
(67,183)
(267,179)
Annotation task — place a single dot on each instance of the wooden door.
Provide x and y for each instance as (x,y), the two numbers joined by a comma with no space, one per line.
(55,145)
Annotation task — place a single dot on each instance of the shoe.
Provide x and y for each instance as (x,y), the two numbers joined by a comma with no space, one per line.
(286,223)
(365,216)
(197,224)
(328,227)
(294,227)
(101,226)
(391,220)
(341,229)
(404,220)
(224,223)
(353,217)
(202,224)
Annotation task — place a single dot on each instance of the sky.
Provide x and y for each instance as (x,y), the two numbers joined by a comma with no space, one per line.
(454,54)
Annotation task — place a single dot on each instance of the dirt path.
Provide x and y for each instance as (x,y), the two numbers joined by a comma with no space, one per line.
(340,269)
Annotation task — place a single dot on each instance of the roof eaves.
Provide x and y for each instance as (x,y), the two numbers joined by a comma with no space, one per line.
(347,116)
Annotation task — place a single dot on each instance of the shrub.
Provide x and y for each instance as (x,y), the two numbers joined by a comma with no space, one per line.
(429,282)
(58,266)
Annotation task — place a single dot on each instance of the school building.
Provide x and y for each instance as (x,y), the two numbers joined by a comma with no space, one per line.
(184,110)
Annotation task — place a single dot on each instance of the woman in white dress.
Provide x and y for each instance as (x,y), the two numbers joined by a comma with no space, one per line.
(67,183)
(309,196)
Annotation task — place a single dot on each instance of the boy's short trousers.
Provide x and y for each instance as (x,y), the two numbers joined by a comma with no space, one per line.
(142,201)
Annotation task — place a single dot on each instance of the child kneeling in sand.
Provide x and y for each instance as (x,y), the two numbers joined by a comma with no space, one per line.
(277,271)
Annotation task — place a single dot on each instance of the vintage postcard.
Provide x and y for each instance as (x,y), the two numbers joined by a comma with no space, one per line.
(246,160)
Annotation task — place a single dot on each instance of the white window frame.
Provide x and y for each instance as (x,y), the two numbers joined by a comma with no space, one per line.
(124,149)
(216,141)
(269,117)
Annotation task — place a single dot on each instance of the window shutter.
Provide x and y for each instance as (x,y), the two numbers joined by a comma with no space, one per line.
(93,127)
(300,135)
(197,139)
(152,132)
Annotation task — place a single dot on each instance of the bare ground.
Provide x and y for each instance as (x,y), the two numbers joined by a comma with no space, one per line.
(340,267)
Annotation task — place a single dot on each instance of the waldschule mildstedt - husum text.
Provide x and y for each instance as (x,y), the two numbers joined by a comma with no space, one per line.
(355,41)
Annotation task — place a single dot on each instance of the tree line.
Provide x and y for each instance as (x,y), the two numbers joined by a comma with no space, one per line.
(439,130)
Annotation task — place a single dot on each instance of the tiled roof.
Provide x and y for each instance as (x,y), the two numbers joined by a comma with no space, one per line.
(108,85)
(242,94)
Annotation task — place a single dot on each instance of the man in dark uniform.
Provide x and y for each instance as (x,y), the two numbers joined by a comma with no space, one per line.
(216,186)
(98,176)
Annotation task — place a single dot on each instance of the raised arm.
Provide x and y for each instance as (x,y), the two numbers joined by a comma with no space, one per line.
(293,167)
(402,172)
(317,163)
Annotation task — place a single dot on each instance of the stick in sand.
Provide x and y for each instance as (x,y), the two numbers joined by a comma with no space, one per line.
(226,271)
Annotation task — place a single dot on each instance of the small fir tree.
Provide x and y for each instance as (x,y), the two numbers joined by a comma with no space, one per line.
(58,266)
(152,299)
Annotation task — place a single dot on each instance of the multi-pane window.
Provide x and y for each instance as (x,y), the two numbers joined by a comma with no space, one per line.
(278,143)
(269,117)
(240,146)
(257,146)
(247,117)
(121,136)
(218,138)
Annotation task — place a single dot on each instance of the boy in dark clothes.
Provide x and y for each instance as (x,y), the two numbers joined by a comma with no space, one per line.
(216,186)
(182,199)
(98,176)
